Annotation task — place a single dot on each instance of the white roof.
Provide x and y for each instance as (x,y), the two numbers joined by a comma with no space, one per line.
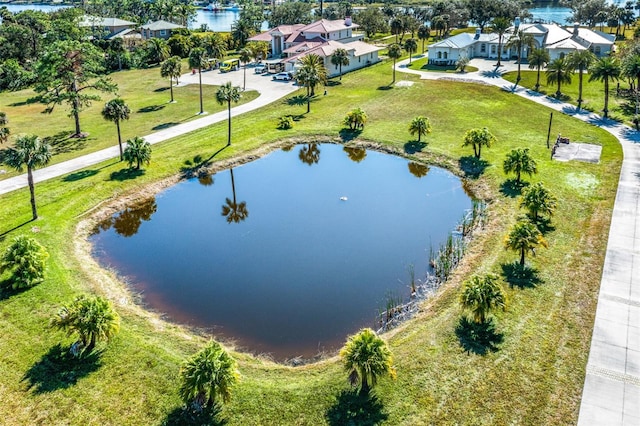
(160,25)
(596,37)
(327,26)
(462,40)
(96,21)
(570,44)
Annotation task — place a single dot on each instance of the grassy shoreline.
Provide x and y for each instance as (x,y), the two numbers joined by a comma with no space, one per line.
(535,378)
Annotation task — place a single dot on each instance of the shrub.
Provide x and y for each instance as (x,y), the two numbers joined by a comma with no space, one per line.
(285,122)
(25,258)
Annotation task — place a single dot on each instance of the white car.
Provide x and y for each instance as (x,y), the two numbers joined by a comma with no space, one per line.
(260,69)
(286,76)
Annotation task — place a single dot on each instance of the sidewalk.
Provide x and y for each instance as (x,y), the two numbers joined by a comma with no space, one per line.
(611,394)
(268,94)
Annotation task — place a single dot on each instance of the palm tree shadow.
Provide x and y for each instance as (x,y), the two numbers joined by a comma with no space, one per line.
(353,408)
(348,135)
(472,167)
(297,100)
(61,142)
(5,233)
(126,174)
(58,369)
(75,176)
(479,338)
(185,416)
(511,188)
(387,87)
(412,147)
(520,276)
(544,225)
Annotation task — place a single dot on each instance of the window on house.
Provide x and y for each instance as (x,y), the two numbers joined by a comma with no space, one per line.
(483,48)
(163,32)
(598,51)
(562,55)
(445,55)
(439,55)
(493,50)
(359,59)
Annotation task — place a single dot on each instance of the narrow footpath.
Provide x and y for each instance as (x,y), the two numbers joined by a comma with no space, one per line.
(611,393)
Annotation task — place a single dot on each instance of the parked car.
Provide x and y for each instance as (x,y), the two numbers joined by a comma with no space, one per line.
(286,76)
(260,69)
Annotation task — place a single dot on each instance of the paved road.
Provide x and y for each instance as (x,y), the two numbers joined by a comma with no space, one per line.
(269,91)
(611,394)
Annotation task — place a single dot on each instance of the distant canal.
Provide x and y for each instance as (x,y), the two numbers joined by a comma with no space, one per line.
(290,253)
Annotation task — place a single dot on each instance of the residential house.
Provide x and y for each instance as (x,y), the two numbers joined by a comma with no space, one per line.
(159,29)
(108,26)
(558,41)
(289,43)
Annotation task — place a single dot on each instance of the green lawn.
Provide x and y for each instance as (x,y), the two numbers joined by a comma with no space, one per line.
(536,376)
(147,95)
(620,108)
(422,65)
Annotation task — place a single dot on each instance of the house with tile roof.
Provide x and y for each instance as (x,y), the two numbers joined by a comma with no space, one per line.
(557,40)
(289,43)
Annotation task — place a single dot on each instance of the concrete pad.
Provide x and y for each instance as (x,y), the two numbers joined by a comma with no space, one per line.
(610,333)
(631,401)
(616,288)
(633,364)
(606,355)
(579,152)
(591,415)
(614,312)
(610,394)
(404,83)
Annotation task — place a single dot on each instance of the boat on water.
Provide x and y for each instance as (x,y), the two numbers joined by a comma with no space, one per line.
(214,7)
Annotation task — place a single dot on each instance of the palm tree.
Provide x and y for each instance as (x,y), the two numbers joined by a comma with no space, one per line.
(138,151)
(232,210)
(356,119)
(116,110)
(340,58)
(228,93)
(309,154)
(538,58)
(366,357)
(424,32)
(519,161)
(397,26)
(524,237)
(157,50)
(558,72)
(410,45)
(171,68)
(420,126)
(481,295)
(538,200)
(208,376)
(245,58)
(310,74)
(4,129)
(478,138)
(580,60)
(395,52)
(92,319)
(215,46)
(26,259)
(198,59)
(605,69)
(500,26)
(519,41)
(31,152)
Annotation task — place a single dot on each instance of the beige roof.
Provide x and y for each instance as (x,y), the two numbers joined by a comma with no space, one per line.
(302,47)
(357,48)
(326,26)
(285,30)
(160,25)
(96,21)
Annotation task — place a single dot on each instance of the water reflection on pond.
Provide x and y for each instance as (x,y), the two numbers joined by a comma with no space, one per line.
(331,235)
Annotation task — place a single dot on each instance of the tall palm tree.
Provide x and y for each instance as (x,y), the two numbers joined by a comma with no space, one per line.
(116,110)
(397,26)
(228,93)
(366,357)
(138,151)
(478,138)
(538,200)
(519,41)
(524,237)
(310,74)
(157,50)
(558,72)
(395,53)
(421,126)
(481,295)
(208,377)
(538,58)
(31,152)
(198,59)
(424,32)
(25,259)
(340,58)
(215,46)
(93,319)
(580,60)
(519,161)
(410,45)
(605,69)
(232,210)
(171,68)
(245,58)
(500,26)
(4,128)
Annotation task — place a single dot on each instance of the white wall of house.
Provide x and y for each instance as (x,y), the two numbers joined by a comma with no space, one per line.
(355,62)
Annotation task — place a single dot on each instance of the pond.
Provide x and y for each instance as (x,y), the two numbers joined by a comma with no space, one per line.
(288,254)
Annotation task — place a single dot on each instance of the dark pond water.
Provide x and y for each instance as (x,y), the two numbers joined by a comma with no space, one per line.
(270,255)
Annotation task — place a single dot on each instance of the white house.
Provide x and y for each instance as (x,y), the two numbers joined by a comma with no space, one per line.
(289,43)
(558,41)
